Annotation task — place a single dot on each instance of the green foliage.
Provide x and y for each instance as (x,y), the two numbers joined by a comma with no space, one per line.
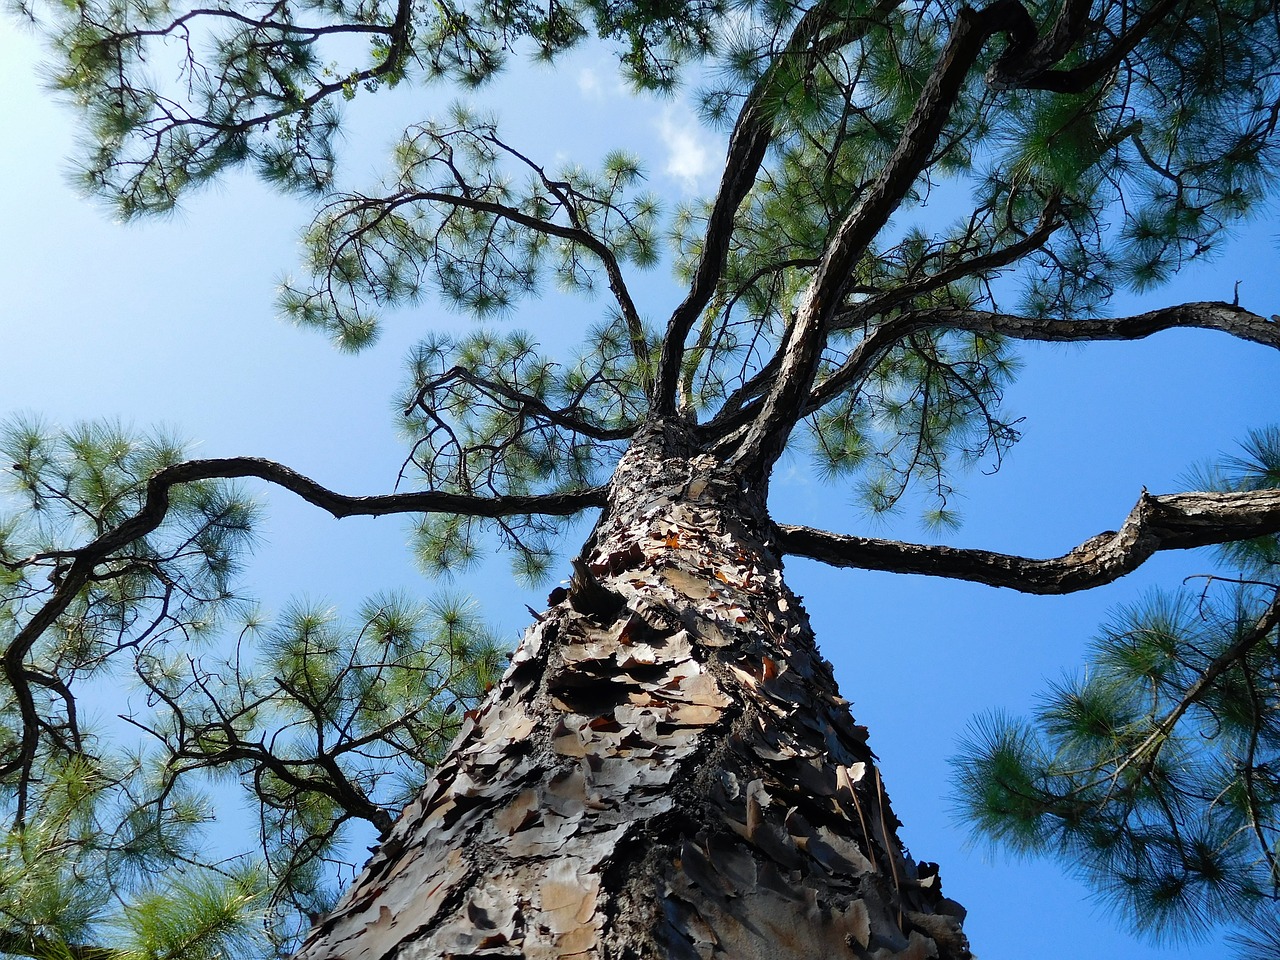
(65,488)
(1255,467)
(262,86)
(487,414)
(473,217)
(325,726)
(203,916)
(933,399)
(1155,772)
(1127,178)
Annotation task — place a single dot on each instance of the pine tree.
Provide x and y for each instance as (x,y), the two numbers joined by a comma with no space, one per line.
(665,768)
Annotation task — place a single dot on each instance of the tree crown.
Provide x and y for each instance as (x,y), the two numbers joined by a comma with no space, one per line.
(1082,147)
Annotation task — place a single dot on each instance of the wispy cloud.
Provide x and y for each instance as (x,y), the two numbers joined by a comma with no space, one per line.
(687,145)
(589,84)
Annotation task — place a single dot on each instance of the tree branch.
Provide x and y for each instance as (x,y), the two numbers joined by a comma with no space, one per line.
(1027,67)
(617,282)
(550,228)
(156,506)
(564,417)
(1177,521)
(1224,317)
(737,410)
(397,51)
(751,137)
(782,406)
(1049,221)
(1144,755)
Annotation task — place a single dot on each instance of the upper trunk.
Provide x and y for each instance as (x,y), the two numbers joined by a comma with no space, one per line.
(666,769)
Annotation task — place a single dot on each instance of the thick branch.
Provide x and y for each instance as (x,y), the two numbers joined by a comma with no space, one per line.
(155,508)
(737,411)
(782,406)
(751,137)
(1028,67)
(1177,521)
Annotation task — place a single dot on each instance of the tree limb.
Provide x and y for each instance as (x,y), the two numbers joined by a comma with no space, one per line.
(156,506)
(1144,755)
(564,417)
(1028,66)
(1176,521)
(782,406)
(398,31)
(1224,317)
(738,411)
(751,137)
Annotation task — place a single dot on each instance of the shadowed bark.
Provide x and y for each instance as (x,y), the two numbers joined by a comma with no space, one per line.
(670,775)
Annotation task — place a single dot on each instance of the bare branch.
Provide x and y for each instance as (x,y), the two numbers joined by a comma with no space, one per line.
(564,417)
(574,234)
(985,263)
(398,49)
(182,24)
(1176,521)
(617,282)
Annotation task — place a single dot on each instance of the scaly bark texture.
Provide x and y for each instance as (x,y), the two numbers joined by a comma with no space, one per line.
(666,770)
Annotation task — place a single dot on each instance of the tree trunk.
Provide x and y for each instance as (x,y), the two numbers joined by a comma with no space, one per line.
(665,771)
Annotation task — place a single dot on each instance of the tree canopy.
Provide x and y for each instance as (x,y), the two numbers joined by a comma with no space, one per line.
(1080,149)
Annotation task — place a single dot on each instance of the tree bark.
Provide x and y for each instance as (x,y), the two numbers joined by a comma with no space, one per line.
(665,771)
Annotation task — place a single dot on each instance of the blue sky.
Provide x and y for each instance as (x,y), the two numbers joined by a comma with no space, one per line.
(172,321)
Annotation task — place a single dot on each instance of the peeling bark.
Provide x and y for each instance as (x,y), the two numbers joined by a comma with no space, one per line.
(666,770)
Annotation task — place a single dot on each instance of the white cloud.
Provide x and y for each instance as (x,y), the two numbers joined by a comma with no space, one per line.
(589,84)
(688,156)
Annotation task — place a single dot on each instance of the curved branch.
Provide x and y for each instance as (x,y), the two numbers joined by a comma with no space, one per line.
(397,51)
(1210,315)
(181,23)
(1176,521)
(574,233)
(564,417)
(1027,66)
(156,506)
(1047,224)
(617,282)
(739,411)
